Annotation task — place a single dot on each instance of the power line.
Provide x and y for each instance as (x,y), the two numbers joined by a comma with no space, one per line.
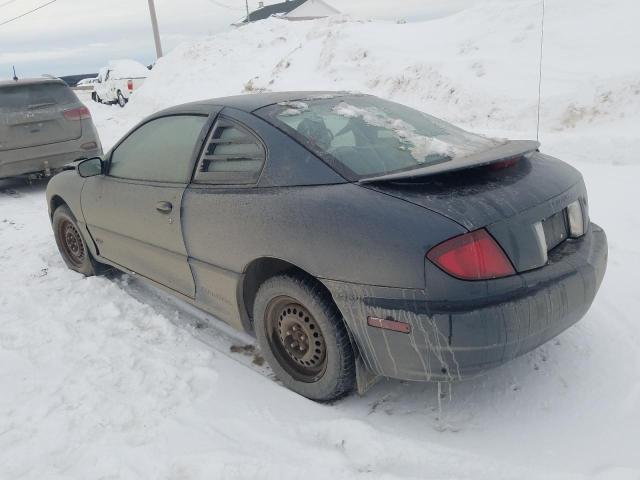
(27,13)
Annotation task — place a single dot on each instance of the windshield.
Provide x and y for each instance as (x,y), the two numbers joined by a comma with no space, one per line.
(18,97)
(369,136)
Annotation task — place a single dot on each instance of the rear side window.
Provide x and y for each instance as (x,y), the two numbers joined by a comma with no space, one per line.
(232,155)
(19,97)
(159,151)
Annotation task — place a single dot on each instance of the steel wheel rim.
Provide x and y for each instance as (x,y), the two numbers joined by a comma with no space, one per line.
(296,339)
(72,243)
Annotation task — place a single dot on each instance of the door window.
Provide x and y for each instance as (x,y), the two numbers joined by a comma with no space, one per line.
(159,151)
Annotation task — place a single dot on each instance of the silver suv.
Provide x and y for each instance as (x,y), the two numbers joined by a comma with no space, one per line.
(43,126)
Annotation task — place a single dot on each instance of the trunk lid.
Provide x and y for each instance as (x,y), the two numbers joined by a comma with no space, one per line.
(33,115)
(508,202)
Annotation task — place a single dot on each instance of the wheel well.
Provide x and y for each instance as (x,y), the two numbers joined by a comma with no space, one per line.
(260,270)
(56,201)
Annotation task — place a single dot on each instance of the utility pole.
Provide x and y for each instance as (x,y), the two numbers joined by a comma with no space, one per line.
(154,24)
(246,4)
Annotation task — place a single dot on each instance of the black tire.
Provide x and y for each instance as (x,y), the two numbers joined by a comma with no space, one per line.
(71,244)
(121,100)
(315,360)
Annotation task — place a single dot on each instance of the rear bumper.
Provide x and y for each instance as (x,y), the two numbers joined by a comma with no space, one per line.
(460,328)
(37,159)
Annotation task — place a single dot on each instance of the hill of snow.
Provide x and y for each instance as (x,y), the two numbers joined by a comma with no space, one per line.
(107,378)
(477,68)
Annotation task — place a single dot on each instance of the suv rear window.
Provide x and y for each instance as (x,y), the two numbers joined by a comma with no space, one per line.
(364,136)
(35,95)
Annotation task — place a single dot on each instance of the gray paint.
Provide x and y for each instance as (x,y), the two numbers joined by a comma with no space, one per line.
(128,229)
(366,244)
(507,202)
(41,139)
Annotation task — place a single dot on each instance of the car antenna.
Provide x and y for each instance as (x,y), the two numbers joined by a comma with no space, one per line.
(540,72)
(15,77)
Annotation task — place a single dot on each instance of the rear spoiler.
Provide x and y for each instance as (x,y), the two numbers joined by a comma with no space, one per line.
(505,151)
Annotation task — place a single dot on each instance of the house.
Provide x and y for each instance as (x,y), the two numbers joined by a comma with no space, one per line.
(310,10)
(291,10)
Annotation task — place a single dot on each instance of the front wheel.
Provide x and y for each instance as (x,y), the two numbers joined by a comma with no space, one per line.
(121,100)
(303,337)
(70,243)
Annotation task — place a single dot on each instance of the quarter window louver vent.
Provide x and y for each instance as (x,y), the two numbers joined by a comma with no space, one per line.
(232,155)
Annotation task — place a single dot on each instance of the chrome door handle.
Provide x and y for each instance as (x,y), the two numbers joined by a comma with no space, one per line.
(164,207)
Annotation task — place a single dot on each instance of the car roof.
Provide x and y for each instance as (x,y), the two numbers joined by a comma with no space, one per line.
(30,81)
(249,102)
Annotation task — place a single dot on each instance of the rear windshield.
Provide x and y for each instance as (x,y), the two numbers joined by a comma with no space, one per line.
(15,97)
(366,136)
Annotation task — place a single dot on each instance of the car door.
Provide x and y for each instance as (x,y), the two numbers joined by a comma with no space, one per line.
(133,212)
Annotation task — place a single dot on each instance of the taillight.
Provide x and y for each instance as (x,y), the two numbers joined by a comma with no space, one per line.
(472,256)
(577,226)
(502,164)
(80,113)
(130,85)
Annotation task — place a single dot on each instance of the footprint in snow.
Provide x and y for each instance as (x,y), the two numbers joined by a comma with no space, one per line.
(10,192)
(12,224)
(249,351)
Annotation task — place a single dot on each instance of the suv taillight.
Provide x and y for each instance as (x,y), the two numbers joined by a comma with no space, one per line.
(79,113)
(130,85)
(472,256)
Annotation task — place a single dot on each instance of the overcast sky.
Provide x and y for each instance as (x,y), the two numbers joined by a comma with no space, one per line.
(79,36)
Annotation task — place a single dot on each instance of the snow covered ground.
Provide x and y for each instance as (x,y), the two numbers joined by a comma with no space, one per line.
(107,378)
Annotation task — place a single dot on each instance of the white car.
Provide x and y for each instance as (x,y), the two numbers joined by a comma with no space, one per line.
(117,81)
(86,82)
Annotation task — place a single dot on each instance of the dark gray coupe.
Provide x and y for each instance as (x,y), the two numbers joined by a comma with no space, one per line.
(358,238)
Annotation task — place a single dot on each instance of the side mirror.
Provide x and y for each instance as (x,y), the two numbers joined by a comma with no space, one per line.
(90,167)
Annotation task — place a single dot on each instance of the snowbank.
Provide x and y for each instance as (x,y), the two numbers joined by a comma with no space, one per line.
(106,378)
(477,68)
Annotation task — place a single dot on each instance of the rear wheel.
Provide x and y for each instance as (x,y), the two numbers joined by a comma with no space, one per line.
(71,244)
(121,100)
(302,335)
